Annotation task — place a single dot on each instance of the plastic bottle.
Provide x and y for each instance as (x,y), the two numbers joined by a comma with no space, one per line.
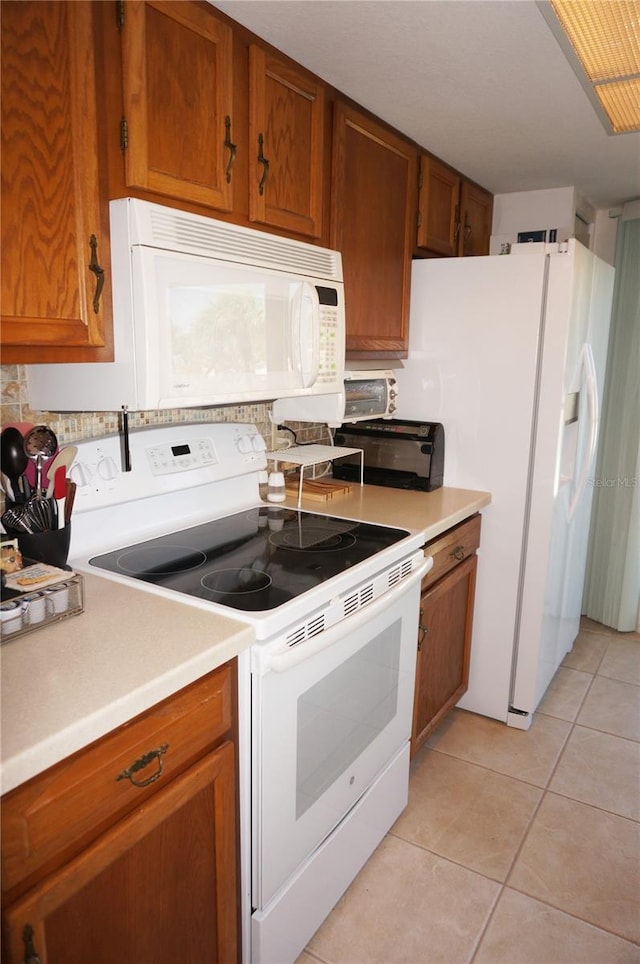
(276,491)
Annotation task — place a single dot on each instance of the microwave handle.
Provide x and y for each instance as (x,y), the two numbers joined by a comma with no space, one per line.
(307,337)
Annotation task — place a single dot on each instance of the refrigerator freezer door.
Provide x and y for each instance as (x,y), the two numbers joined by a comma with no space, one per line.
(560,497)
(474,340)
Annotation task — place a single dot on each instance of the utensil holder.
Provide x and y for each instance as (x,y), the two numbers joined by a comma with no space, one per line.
(51,546)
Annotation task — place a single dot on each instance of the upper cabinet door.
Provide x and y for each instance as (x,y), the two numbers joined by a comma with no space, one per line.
(438,207)
(373,209)
(476,210)
(177,75)
(55,245)
(286,138)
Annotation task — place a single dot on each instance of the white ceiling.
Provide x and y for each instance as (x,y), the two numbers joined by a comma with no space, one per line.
(482,84)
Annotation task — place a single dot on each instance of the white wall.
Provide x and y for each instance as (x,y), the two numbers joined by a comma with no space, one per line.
(561,209)
(533,210)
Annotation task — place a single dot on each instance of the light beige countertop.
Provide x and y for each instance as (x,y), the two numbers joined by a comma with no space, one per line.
(69,683)
(72,682)
(432,512)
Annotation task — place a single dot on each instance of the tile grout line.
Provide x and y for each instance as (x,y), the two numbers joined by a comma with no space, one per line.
(545,790)
(505,884)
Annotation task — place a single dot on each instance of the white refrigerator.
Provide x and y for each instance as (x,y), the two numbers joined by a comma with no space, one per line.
(509,353)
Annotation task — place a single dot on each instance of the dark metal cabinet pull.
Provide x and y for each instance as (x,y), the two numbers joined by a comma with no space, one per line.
(98,272)
(141,763)
(265,163)
(457,224)
(30,955)
(232,148)
(423,631)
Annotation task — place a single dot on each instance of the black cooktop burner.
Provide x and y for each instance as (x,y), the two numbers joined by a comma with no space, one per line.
(253,561)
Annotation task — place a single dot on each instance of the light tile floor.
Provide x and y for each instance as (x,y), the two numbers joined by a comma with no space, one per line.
(517,847)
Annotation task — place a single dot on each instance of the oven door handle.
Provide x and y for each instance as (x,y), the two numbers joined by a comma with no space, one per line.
(284,659)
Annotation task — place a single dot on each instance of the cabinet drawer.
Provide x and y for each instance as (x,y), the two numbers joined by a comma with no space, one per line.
(56,814)
(451,548)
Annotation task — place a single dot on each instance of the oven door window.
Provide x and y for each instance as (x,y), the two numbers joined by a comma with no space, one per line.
(341,715)
(323,730)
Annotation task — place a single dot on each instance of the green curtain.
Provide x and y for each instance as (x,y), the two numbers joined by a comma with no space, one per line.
(612,582)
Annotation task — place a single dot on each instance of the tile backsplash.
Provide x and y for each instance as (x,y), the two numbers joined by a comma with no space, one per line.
(72,426)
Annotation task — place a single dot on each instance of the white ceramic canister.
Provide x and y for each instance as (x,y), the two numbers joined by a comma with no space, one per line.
(34,608)
(11,616)
(57,599)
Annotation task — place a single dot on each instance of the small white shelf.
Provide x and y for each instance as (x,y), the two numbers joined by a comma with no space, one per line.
(305,455)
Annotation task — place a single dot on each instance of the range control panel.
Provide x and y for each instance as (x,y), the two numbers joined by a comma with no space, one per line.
(181,456)
(164,459)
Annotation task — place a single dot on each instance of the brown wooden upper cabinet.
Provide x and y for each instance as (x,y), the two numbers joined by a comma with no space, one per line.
(286,136)
(438,207)
(454,215)
(56,290)
(476,209)
(373,208)
(178,83)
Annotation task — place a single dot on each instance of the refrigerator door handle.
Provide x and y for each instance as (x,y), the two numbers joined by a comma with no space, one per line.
(591,386)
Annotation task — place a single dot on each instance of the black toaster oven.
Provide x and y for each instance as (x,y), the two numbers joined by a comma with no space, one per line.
(399,453)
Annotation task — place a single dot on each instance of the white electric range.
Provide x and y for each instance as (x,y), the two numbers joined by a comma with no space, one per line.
(326,692)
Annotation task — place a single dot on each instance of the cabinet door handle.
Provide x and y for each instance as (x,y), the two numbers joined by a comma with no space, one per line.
(458,553)
(30,955)
(232,148)
(423,632)
(265,163)
(141,763)
(456,230)
(98,272)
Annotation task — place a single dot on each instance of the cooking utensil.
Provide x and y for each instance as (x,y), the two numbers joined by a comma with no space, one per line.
(15,519)
(68,504)
(14,458)
(60,493)
(40,444)
(63,459)
(7,488)
(41,513)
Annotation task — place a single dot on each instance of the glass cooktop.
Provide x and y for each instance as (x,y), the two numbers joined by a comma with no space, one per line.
(254,560)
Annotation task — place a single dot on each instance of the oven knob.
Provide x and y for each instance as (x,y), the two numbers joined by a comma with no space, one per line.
(258,443)
(393,394)
(392,407)
(80,474)
(244,444)
(107,469)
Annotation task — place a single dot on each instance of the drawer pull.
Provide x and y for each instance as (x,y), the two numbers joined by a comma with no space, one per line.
(30,955)
(458,553)
(141,763)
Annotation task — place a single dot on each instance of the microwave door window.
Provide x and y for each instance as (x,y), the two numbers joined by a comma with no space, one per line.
(226,333)
(217,332)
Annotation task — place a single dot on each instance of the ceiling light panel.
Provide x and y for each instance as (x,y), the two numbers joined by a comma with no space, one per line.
(601,39)
(605,35)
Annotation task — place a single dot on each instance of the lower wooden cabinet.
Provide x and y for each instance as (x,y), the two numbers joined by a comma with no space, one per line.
(444,634)
(156,886)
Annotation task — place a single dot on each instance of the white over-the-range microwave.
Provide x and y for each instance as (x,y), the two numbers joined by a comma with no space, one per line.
(207,313)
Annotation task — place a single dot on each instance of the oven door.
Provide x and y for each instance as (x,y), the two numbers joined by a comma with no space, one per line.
(328,715)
